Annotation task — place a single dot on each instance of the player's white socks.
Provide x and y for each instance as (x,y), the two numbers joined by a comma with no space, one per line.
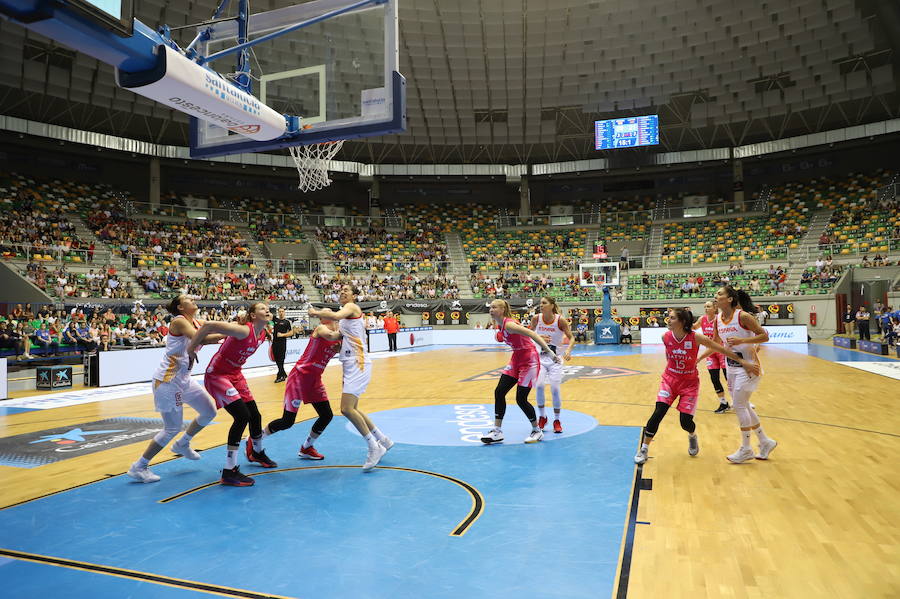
(230,458)
(258,443)
(763,438)
(379,436)
(142,462)
(745,439)
(371,440)
(185,438)
(722,400)
(541,411)
(310,440)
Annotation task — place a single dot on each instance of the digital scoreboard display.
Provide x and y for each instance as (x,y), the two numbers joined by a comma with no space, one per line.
(627,132)
(115,15)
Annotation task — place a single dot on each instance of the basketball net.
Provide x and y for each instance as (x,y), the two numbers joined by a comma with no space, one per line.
(312,163)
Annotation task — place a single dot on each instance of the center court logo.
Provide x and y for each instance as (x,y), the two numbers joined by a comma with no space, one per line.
(30,450)
(570,371)
(473,422)
(463,425)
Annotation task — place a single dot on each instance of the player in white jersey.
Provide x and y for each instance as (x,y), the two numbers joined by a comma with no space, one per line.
(554,329)
(357,371)
(737,328)
(172,388)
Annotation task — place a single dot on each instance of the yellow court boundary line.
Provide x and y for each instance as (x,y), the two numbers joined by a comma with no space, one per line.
(474,512)
(138,575)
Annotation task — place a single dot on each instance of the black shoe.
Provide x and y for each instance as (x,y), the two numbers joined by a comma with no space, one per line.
(236,478)
(723,407)
(259,457)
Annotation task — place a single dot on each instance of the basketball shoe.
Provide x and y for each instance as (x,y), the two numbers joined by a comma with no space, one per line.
(495,435)
(557,426)
(259,457)
(142,474)
(310,453)
(386,442)
(535,436)
(641,456)
(374,455)
(723,407)
(766,448)
(542,422)
(184,449)
(235,478)
(744,454)
(693,445)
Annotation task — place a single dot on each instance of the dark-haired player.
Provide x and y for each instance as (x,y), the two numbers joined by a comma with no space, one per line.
(680,379)
(737,327)
(173,387)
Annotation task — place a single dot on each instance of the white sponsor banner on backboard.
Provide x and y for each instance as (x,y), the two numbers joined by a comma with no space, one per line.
(201,93)
(888,369)
(374,102)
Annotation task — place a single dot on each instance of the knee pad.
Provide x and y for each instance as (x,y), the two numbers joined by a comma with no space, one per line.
(556,392)
(163,437)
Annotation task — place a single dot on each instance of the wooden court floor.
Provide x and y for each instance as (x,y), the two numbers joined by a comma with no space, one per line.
(820,519)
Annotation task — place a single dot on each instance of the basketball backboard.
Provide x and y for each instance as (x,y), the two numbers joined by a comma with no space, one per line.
(599,274)
(338,75)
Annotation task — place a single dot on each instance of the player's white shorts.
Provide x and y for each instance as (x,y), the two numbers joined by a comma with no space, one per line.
(551,372)
(739,380)
(174,394)
(355,380)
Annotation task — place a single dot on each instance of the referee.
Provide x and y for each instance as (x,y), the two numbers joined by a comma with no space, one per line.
(281,329)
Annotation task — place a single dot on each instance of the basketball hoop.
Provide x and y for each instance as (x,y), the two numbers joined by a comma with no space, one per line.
(312,162)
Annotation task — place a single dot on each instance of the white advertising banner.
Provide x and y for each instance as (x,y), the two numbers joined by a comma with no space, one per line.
(466,337)
(777,334)
(138,365)
(186,86)
(4,391)
(406,338)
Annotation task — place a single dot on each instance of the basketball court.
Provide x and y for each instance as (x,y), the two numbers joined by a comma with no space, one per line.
(443,515)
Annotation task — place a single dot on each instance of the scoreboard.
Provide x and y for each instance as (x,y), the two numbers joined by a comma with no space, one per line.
(627,132)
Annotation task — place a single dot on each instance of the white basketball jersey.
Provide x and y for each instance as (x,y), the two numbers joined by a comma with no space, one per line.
(353,341)
(733,328)
(551,330)
(175,361)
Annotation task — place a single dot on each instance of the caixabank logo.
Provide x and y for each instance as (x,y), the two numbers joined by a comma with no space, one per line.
(569,372)
(30,450)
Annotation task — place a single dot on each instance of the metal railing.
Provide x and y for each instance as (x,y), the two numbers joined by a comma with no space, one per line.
(839,250)
(30,252)
(512,221)
(155,262)
(248,217)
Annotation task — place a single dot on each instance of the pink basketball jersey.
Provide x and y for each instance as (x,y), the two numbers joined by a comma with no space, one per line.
(233,353)
(681,356)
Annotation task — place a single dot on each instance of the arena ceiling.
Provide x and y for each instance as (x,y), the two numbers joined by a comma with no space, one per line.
(521,81)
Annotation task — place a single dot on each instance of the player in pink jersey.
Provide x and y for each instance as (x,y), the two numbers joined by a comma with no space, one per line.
(229,389)
(737,326)
(680,378)
(523,369)
(304,385)
(715,362)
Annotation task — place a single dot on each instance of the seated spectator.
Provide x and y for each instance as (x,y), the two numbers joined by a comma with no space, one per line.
(865,261)
(20,342)
(626,333)
(85,339)
(49,343)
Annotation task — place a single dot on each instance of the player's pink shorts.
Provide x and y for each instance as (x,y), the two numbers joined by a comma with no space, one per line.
(715,361)
(524,366)
(226,388)
(685,389)
(303,388)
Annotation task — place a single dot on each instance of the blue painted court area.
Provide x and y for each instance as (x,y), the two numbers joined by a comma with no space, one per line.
(834,354)
(431,521)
